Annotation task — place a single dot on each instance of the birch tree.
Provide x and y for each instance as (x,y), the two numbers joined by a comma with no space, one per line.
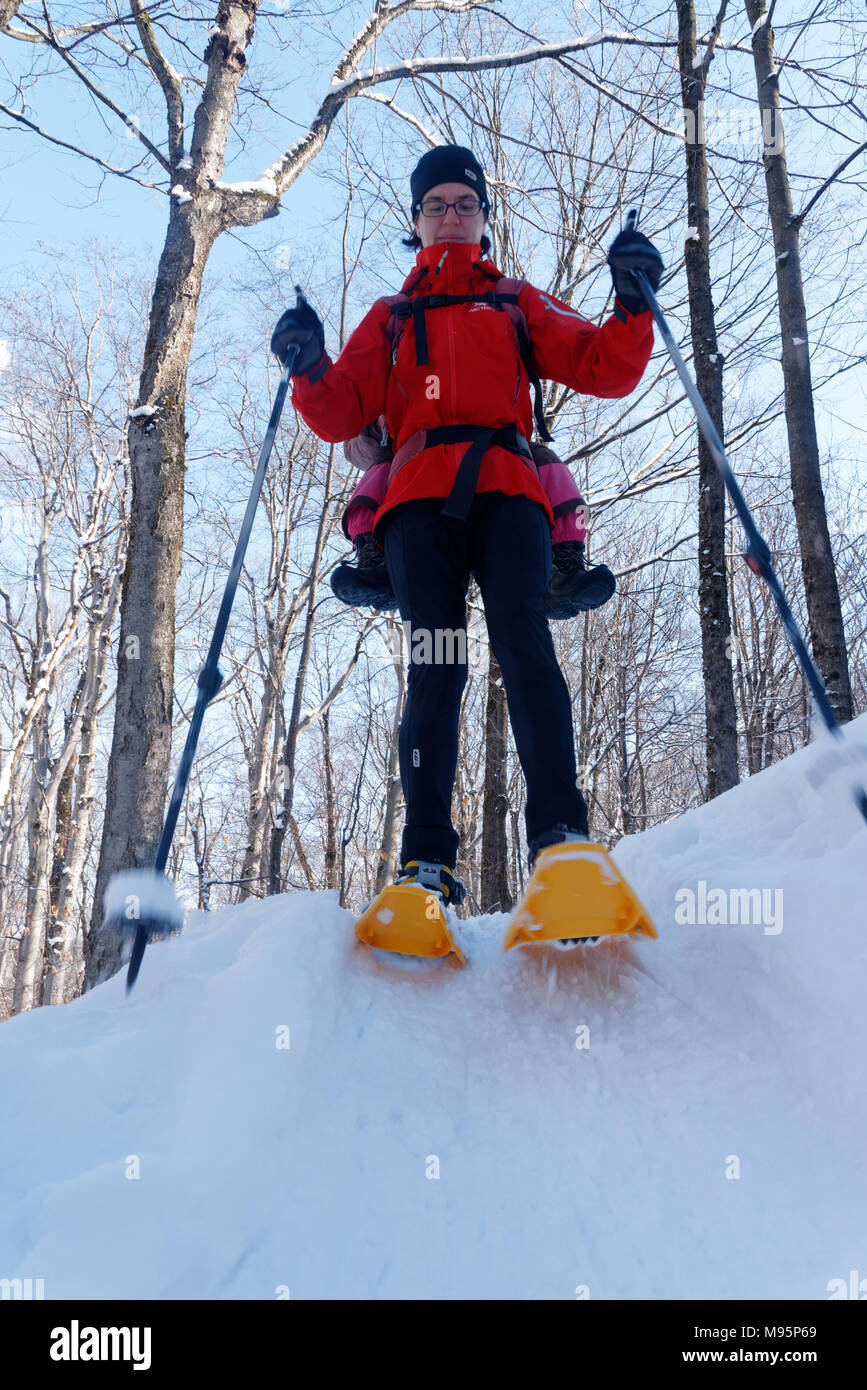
(720,717)
(820,576)
(61,445)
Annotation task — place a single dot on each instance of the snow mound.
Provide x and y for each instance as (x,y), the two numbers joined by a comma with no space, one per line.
(277,1108)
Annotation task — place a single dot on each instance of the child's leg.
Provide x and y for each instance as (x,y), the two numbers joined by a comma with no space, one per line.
(358,518)
(369,495)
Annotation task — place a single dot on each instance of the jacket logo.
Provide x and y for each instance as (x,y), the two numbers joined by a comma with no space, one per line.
(474,308)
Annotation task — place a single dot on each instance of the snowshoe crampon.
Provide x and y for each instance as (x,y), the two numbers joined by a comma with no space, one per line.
(576,891)
(409,919)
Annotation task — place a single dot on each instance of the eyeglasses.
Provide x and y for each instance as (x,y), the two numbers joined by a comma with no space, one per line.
(464,207)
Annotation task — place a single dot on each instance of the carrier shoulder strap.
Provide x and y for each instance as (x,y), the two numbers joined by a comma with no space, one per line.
(509,291)
(504,298)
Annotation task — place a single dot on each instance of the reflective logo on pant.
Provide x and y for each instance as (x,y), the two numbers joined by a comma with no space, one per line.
(416,760)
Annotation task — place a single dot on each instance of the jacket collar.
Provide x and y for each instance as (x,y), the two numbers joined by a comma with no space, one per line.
(450,267)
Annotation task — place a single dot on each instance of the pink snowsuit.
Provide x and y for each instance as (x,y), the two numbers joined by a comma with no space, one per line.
(369,453)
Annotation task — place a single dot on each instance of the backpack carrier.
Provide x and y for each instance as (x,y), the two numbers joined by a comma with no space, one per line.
(504,299)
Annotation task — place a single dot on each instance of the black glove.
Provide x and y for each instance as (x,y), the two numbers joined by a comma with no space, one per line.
(631,250)
(299,325)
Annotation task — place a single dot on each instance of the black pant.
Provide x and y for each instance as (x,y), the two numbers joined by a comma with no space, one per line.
(506,543)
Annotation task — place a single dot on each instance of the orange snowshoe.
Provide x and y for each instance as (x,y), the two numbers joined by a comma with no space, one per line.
(576,891)
(409,917)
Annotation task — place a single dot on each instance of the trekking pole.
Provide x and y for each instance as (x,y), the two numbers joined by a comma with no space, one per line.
(758,554)
(147,896)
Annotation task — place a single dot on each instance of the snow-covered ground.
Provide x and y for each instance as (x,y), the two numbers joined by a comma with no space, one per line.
(276,1110)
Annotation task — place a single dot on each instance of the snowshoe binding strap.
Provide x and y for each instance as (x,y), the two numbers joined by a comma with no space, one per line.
(438,877)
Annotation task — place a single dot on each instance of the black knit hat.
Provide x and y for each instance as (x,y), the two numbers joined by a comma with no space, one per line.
(447,164)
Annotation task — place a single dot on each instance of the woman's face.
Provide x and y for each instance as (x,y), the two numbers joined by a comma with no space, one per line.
(449,227)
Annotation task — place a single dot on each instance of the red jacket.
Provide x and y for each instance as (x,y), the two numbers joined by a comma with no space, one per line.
(474,373)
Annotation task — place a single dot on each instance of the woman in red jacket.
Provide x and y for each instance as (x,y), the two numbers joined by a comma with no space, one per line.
(463,496)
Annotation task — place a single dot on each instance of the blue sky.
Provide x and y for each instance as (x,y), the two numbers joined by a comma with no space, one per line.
(53,197)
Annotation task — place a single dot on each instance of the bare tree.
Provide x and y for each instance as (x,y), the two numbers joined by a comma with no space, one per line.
(820,577)
(389,844)
(61,445)
(496,895)
(720,717)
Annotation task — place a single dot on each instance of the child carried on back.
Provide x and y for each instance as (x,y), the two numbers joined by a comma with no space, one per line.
(573,587)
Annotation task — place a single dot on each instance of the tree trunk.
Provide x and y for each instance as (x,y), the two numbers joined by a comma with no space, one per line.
(330,825)
(64,973)
(623,781)
(28,980)
(62,832)
(495,893)
(258,775)
(820,577)
(9,820)
(721,738)
(393,790)
(199,211)
(141,745)
(284,814)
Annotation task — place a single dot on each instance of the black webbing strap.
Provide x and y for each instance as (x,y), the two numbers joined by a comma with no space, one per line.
(480,438)
(417,308)
(420,331)
(526,351)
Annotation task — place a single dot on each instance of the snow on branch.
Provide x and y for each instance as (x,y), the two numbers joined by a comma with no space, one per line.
(291,163)
(416,121)
(8,12)
(420,66)
(382,16)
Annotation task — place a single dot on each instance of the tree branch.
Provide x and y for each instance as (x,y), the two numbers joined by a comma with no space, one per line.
(64,144)
(384,15)
(167,78)
(797,218)
(399,111)
(283,172)
(714,35)
(8,11)
(331,696)
(53,42)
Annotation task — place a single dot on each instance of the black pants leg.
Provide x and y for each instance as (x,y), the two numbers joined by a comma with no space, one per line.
(426,560)
(506,542)
(510,555)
